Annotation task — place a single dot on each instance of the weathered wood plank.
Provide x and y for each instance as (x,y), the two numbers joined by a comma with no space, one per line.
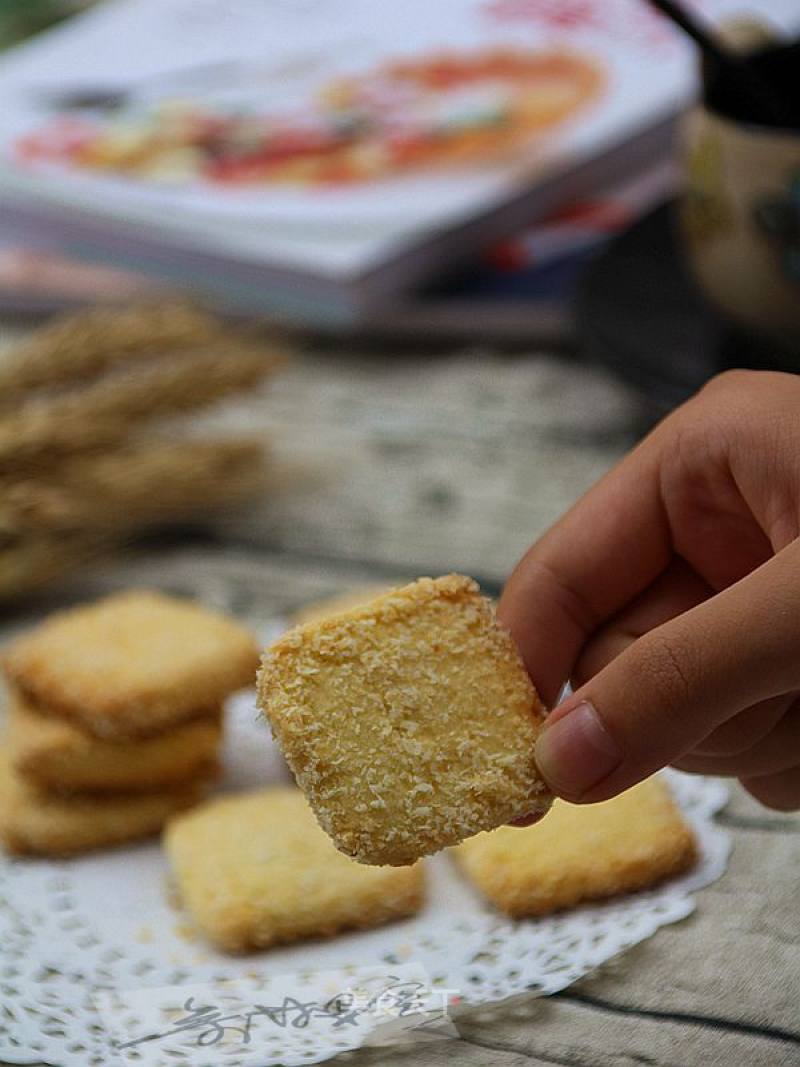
(439,464)
(584,1035)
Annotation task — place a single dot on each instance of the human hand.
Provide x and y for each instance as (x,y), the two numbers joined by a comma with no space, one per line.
(670,596)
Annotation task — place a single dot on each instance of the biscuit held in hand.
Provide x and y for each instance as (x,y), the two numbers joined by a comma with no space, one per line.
(255,869)
(409,722)
(357,597)
(582,853)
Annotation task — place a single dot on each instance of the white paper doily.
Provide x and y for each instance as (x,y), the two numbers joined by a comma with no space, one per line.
(91,949)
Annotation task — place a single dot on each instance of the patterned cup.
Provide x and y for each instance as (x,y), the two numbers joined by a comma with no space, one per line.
(740,219)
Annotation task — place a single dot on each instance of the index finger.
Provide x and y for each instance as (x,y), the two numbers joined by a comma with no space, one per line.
(607,548)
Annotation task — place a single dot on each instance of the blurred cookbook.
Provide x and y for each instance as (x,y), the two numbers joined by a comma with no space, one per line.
(328,161)
(519,288)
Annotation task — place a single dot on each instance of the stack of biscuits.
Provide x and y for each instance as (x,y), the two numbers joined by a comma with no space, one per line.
(115,719)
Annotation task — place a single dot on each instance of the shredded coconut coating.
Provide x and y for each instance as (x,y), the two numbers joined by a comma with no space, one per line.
(58,756)
(32,822)
(582,852)
(335,605)
(132,665)
(256,870)
(409,722)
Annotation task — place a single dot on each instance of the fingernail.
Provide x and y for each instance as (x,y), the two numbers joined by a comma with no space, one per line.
(576,752)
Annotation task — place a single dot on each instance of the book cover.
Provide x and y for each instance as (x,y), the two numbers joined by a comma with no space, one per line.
(355,143)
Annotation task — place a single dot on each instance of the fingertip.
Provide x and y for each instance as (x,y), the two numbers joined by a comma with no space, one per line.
(575,752)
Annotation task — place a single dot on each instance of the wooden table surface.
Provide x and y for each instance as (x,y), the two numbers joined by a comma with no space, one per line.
(389,466)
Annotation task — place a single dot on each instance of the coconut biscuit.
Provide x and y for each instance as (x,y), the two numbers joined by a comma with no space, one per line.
(582,852)
(409,722)
(255,870)
(48,825)
(317,610)
(131,665)
(58,756)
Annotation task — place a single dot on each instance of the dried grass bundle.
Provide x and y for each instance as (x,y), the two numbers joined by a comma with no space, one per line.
(33,562)
(116,490)
(106,411)
(77,474)
(80,346)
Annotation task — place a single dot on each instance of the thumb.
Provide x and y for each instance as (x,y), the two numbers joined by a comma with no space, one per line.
(669,689)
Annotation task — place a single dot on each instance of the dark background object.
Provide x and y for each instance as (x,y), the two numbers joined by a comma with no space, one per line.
(639,313)
(777,66)
(21,18)
(750,85)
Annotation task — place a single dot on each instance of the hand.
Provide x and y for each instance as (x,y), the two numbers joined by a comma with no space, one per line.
(670,596)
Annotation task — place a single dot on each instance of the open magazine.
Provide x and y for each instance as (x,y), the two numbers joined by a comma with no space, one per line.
(321,158)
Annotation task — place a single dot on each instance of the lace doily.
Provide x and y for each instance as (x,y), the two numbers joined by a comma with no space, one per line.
(98,967)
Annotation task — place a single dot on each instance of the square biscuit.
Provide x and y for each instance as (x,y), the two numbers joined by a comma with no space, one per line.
(58,756)
(256,870)
(131,665)
(409,722)
(317,610)
(36,823)
(582,852)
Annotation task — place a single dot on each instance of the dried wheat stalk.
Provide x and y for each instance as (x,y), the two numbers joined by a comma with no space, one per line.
(134,487)
(33,562)
(87,343)
(90,383)
(104,412)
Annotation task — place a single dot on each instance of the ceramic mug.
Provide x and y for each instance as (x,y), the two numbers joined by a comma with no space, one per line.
(740,210)
(740,219)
